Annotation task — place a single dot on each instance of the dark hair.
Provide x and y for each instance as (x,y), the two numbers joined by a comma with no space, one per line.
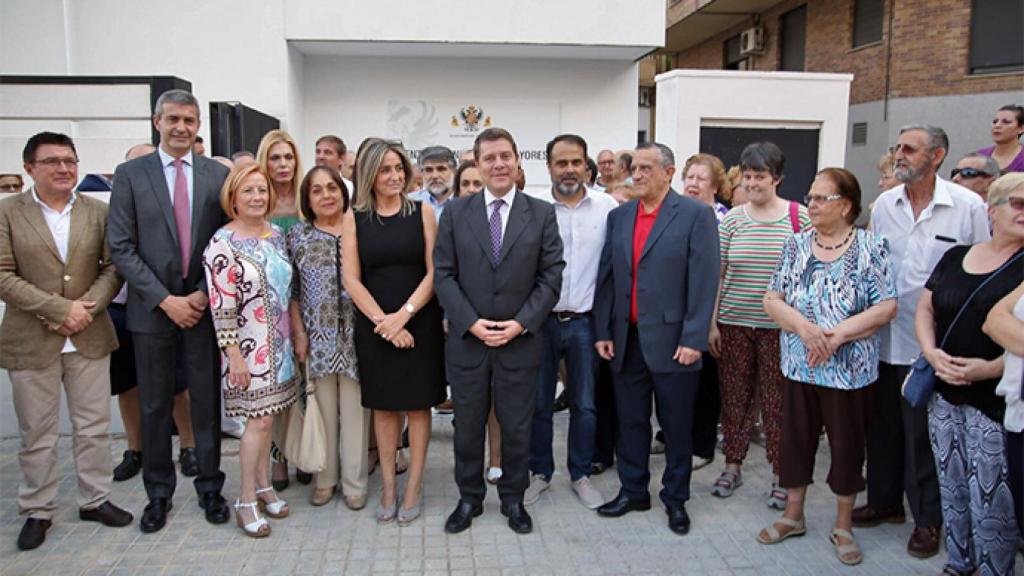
(847,186)
(668,158)
(763,157)
(592,168)
(339,144)
(456,191)
(437,154)
(570,138)
(28,155)
(199,139)
(490,135)
(627,158)
(175,96)
(304,205)
(1017,110)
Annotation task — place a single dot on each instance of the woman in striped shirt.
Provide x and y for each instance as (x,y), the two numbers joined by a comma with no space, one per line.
(751,238)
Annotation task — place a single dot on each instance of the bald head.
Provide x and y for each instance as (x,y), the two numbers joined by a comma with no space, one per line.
(139,150)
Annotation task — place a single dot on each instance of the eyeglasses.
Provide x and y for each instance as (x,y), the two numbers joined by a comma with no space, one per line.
(967,173)
(906,148)
(56,162)
(10,187)
(1015,202)
(817,198)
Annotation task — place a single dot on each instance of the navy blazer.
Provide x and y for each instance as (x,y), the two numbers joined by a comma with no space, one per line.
(143,235)
(523,285)
(677,282)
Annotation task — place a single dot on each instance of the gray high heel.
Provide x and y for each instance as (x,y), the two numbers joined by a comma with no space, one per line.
(406,517)
(387,515)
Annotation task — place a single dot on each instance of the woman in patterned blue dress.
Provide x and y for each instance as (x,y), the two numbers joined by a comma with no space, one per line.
(832,290)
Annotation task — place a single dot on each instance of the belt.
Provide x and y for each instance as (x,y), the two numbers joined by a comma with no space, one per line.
(567,316)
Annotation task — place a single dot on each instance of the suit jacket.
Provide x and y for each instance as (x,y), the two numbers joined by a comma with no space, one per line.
(38,287)
(676,287)
(523,285)
(144,238)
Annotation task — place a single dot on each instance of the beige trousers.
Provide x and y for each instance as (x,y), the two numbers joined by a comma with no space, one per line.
(36,395)
(348,433)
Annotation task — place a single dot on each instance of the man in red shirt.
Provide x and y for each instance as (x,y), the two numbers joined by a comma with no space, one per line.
(656,289)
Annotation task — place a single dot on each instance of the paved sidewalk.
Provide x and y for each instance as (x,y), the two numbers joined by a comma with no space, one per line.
(567,538)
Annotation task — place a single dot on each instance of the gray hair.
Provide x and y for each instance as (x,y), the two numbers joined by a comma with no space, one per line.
(937,137)
(437,154)
(668,158)
(175,96)
(991,166)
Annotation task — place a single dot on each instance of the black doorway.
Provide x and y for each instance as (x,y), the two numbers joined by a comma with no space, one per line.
(800,147)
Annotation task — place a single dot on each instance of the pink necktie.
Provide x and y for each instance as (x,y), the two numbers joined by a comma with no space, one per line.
(182,215)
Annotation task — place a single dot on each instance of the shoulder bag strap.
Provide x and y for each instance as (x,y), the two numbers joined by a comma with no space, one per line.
(963,307)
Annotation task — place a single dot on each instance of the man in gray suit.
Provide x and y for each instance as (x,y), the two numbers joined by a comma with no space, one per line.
(656,287)
(164,208)
(498,273)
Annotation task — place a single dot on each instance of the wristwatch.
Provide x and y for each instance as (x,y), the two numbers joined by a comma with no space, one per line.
(410,308)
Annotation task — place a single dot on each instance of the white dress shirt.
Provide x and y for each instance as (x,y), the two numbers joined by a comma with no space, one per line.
(505,210)
(1010,386)
(582,229)
(171,174)
(955,215)
(59,224)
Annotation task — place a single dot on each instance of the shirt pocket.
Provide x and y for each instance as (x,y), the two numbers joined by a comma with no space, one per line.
(935,248)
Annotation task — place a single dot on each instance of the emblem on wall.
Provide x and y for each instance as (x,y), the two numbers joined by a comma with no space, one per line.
(471,118)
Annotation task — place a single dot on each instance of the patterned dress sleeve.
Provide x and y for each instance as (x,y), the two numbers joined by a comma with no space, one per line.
(780,280)
(221,277)
(881,283)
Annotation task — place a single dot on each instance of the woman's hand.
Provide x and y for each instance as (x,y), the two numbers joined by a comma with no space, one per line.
(714,340)
(300,342)
(816,341)
(403,340)
(947,368)
(238,370)
(391,324)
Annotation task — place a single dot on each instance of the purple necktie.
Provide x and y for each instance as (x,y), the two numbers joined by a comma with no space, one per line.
(495,223)
(182,215)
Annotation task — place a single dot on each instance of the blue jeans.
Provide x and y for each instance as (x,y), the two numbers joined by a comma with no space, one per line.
(573,340)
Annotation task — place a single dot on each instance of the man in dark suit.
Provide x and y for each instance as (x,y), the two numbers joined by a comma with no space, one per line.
(164,208)
(498,273)
(656,289)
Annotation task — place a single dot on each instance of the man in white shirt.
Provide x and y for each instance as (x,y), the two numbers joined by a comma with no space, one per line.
(568,331)
(922,218)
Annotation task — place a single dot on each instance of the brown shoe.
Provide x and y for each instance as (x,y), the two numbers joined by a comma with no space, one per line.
(868,517)
(924,542)
(321,496)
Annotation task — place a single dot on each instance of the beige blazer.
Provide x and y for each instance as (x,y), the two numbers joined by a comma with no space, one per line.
(38,287)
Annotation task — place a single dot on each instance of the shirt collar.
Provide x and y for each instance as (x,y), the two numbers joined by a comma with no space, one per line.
(425,193)
(167,160)
(940,195)
(508,198)
(587,195)
(71,202)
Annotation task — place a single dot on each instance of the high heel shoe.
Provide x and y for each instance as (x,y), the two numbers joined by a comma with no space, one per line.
(387,515)
(406,516)
(258,528)
(277,509)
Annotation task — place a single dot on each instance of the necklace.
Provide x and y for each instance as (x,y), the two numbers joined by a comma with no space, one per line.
(834,246)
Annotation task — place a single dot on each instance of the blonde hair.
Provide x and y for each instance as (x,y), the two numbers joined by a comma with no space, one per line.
(718,177)
(1000,190)
(263,157)
(234,181)
(368,160)
(885,163)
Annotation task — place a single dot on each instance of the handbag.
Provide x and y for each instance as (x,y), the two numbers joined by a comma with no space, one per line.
(305,442)
(919,383)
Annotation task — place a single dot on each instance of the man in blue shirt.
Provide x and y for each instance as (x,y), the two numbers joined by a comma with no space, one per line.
(437,164)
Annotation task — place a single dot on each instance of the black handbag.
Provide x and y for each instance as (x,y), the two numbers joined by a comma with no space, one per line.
(920,381)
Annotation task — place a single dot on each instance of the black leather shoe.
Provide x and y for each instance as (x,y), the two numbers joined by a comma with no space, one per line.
(33,533)
(622,505)
(518,519)
(154,517)
(678,519)
(130,465)
(216,508)
(462,517)
(189,462)
(107,514)
(303,477)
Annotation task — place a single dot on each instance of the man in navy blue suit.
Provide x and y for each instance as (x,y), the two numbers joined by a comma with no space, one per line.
(656,289)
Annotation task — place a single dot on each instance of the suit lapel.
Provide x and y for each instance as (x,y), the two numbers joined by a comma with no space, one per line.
(34,216)
(666,214)
(627,231)
(158,184)
(477,211)
(518,218)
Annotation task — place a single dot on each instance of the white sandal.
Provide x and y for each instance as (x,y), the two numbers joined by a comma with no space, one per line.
(799,528)
(848,554)
(259,528)
(277,509)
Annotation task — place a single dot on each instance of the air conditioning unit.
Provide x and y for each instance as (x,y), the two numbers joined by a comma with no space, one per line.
(752,41)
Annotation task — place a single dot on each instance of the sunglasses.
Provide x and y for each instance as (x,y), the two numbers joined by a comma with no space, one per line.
(967,173)
(1015,202)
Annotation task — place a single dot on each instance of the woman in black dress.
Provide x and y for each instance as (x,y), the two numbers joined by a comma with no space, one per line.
(387,242)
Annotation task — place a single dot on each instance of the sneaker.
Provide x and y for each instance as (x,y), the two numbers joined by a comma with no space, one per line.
(777,497)
(538,484)
(494,474)
(587,494)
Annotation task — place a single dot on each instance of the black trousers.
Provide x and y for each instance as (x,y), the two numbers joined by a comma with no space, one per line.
(156,358)
(708,406)
(514,393)
(899,452)
(1015,462)
(607,422)
(675,393)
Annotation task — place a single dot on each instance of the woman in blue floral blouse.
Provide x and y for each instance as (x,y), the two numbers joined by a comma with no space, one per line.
(832,290)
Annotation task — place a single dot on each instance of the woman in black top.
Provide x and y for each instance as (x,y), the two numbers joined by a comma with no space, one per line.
(965,415)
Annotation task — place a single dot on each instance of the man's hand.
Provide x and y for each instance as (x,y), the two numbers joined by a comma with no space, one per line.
(482,328)
(198,300)
(78,318)
(605,349)
(686,356)
(180,310)
(502,332)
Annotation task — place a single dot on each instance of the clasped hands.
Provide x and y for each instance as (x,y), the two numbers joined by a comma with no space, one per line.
(821,344)
(185,311)
(79,318)
(956,370)
(391,327)
(496,333)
